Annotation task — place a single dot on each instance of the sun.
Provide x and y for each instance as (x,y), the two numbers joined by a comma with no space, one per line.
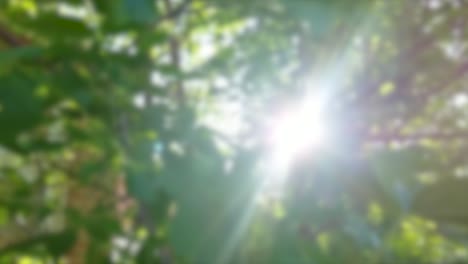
(297,130)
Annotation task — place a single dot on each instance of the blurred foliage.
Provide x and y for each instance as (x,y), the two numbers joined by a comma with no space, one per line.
(132,131)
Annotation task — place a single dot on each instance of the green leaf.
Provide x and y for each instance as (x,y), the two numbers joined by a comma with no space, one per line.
(56,243)
(16,54)
(444,201)
(59,244)
(20,108)
(386,88)
(121,14)
(54,27)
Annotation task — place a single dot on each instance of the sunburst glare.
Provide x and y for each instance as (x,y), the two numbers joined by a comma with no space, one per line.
(297,130)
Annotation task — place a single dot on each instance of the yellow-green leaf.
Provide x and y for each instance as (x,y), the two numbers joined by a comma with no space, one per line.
(387,88)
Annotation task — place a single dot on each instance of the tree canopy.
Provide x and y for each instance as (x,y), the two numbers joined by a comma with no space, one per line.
(222,131)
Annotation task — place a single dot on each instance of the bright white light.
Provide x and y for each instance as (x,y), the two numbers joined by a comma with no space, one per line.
(460,100)
(297,130)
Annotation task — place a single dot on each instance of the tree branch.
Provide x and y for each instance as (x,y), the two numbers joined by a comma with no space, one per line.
(174,46)
(175,12)
(10,38)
